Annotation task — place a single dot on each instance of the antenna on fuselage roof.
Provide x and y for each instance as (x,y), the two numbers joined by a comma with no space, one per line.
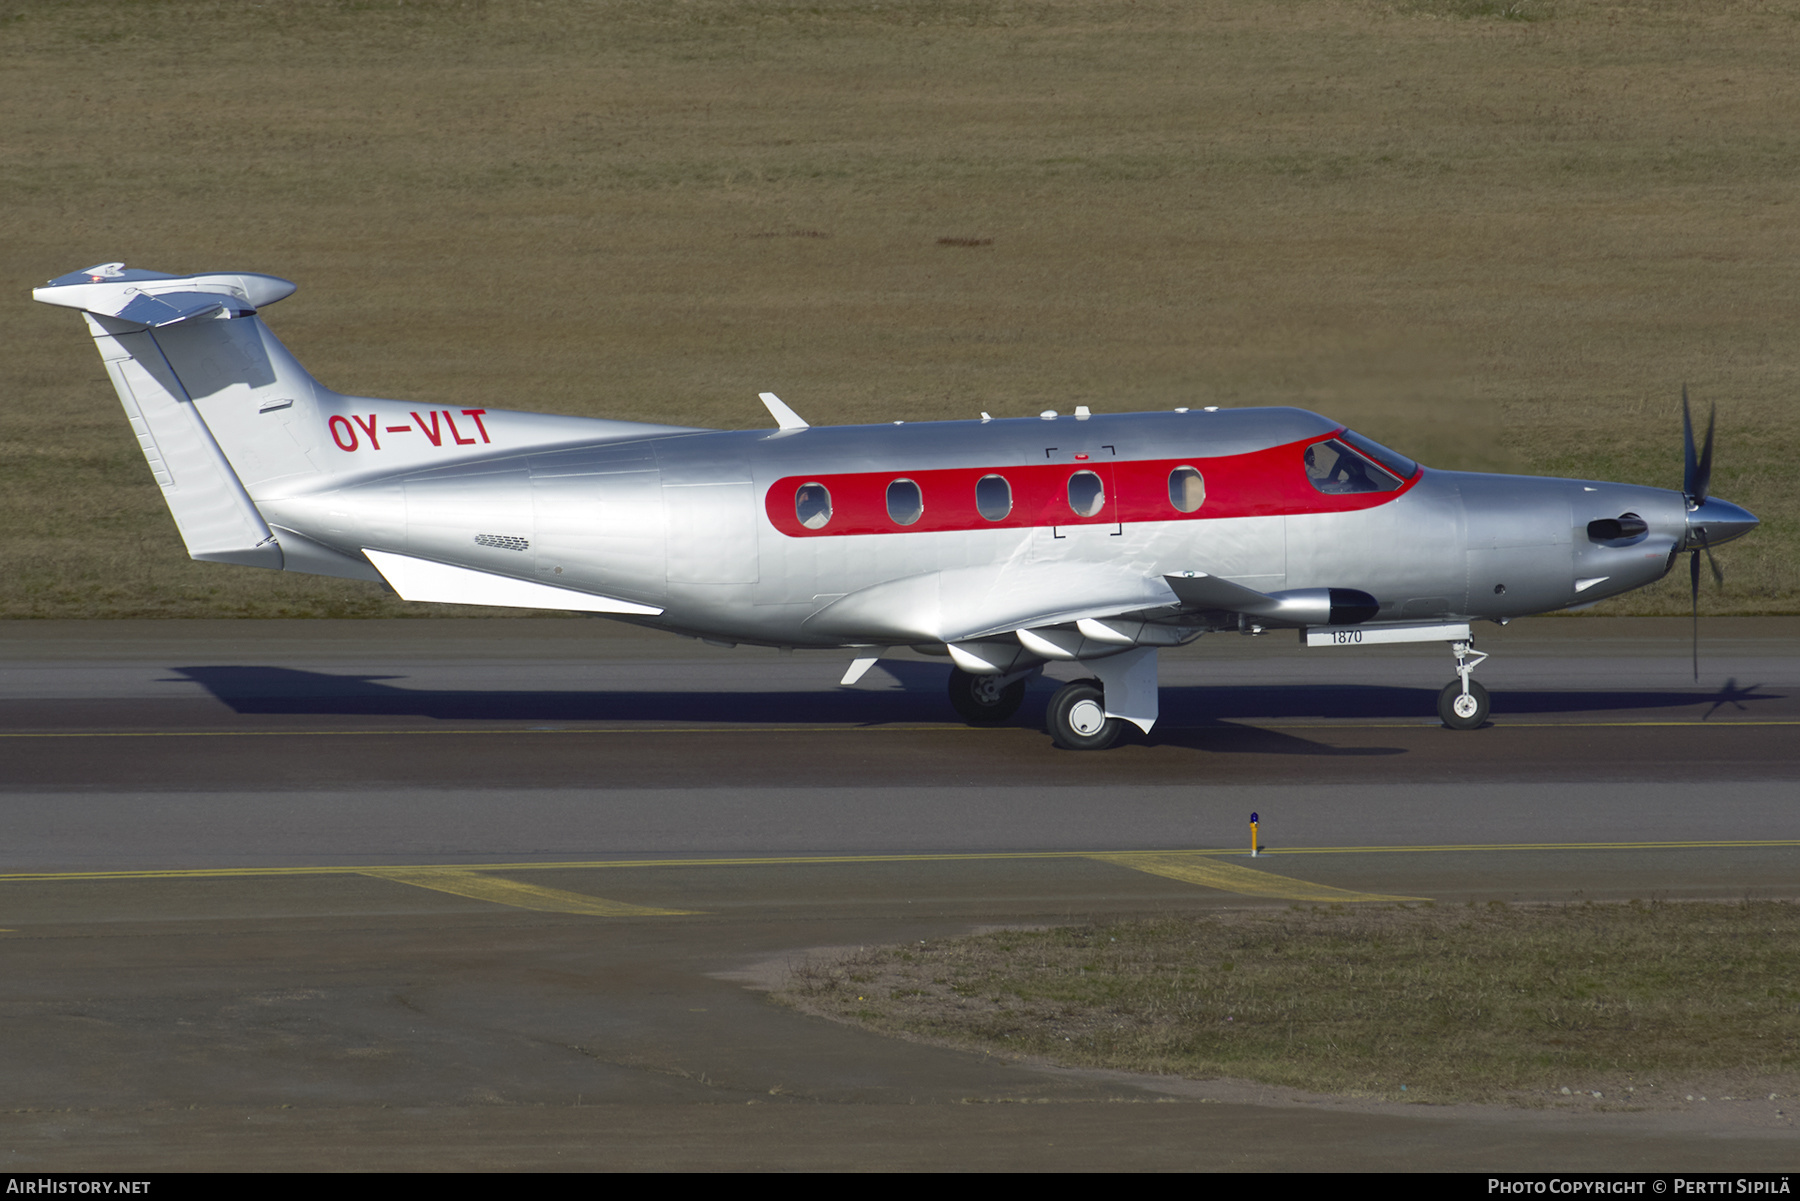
(785,417)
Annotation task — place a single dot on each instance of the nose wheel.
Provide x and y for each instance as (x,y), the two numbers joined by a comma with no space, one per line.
(1463,704)
(1077,718)
(1463,710)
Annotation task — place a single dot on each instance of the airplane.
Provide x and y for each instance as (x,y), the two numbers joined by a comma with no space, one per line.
(1002,544)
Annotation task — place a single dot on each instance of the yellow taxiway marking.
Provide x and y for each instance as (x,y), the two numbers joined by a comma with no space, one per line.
(480,886)
(883,728)
(717,728)
(1691,845)
(1201,866)
(803,860)
(1497,723)
(1209,872)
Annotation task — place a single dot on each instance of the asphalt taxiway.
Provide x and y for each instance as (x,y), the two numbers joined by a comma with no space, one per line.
(502,893)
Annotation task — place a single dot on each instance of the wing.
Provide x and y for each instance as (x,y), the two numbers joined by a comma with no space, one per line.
(969,603)
(972,603)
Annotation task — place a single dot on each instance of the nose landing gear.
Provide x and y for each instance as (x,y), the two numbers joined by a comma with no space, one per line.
(1463,704)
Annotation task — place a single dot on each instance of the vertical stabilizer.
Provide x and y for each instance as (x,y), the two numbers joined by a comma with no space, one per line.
(124,310)
(216,518)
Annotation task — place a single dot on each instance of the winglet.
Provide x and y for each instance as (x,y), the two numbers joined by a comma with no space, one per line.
(785,417)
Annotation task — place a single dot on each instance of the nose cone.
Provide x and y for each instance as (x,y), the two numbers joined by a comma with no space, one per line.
(1716,521)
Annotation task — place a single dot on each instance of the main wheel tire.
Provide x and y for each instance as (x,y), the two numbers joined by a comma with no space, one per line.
(1077,718)
(1460,711)
(980,701)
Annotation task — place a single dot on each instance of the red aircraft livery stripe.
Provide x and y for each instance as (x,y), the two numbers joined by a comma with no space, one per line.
(1262,483)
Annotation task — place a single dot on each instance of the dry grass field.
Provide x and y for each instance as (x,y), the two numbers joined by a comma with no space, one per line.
(1497,235)
(1520,1004)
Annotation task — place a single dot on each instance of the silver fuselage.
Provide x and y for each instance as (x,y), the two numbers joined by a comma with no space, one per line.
(683,523)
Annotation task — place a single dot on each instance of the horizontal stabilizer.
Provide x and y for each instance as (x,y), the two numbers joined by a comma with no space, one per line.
(440,583)
(152,298)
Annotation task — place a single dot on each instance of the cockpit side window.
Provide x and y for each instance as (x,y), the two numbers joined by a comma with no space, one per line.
(1335,469)
(1394,461)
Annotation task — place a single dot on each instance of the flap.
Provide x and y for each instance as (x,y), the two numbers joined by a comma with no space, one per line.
(980,602)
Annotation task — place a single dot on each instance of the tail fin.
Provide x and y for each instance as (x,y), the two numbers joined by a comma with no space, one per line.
(226,417)
(127,310)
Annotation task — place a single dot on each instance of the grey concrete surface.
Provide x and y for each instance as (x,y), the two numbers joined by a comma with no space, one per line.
(251,998)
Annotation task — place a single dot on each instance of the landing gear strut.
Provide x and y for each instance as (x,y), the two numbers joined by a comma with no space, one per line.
(986,700)
(1463,704)
(1077,718)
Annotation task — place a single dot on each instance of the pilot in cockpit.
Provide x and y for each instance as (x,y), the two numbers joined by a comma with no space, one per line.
(1353,473)
(1333,469)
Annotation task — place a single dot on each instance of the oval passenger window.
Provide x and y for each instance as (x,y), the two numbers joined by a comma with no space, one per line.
(1086,494)
(1187,489)
(812,505)
(993,497)
(905,505)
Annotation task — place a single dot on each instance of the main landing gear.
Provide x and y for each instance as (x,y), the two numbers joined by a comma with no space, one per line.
(1463,704)
(986,700)
(1088,715)
(1077,718)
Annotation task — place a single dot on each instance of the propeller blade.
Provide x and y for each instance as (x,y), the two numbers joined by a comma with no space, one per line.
(1703,482)
(1696,469)
(1694,586)
(1696,480)
(1689,462)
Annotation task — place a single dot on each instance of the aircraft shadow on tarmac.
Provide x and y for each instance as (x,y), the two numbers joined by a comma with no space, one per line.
(1186,711)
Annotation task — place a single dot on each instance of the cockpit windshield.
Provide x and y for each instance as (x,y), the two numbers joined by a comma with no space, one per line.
(1335,469)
